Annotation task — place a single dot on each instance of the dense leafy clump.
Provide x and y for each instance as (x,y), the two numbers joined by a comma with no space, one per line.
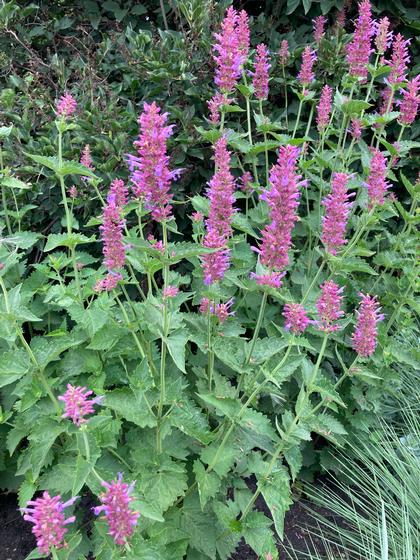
(159,369)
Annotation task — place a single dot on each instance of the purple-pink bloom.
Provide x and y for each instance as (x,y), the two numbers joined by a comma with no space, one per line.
(243,33)
(376,183)
(365,334)
(399,59)
(119,189)
(197,217)
(410,102)
(356,128)
(221,310)
(73,193)
(215,105)
(359,49)
(229,52)
(115,506)
(328,306)
(77,403)
(46,513)
(112,234)
(383,37)
(271,279)
(150,171)
(66,106)
(283,200)
(86,160)
(337,208)
(306,74)
(319,28)
(296,319)
(324,108)
(218,224)
(170,292)
(108,283)
(284,52)
(260,75)
(246,182)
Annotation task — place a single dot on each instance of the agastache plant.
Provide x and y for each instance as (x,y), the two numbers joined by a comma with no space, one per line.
(201,334)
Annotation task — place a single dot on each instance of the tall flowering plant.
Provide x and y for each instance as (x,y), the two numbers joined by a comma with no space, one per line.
(167,350)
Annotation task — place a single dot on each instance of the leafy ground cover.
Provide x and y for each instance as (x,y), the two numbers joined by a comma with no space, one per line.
(214,292)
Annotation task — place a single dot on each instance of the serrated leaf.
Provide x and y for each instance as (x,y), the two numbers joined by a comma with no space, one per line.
(225,406)
(355,107)
(41,440)
(81,473)
(188,418)
(260,147)
(164,485)
(326,388)
(276,493)
(256,530)
(131,406)
(294,459)
(256,421)
(208,482)
(26,491)
(75,168)
(22,240)
(14,183)
(46,161)
(13,366)
(66,240)
(231,352)
(176,343)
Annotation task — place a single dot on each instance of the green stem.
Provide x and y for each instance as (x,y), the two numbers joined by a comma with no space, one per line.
(280,448)
(265,149)
(210,350)
(127,320)
(4,197)
(298,117)
(286,101)
(248,119)
(61,180)
(253,341)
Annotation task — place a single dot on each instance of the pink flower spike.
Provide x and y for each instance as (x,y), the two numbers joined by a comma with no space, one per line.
(77,404)
(108,283)
(260,76)
(284,52)
(410,102)
(328,306)
(73,192)
(271,280)
(399,60)
(337,208)
(376,183)
(306,74)
(218,224)
(46,514)
(112,234)
(215,105)
(295,317)
(319,28)
(197,217)
(283,200)
(365,334)
(324,108)
(150,172)
(356,129)
(243,33)
(383,37)
(246,182)
(115,506)
(359,49)
(230,51)
(170,292)
(86,160)
(66,106)
(120,191)
(223,311)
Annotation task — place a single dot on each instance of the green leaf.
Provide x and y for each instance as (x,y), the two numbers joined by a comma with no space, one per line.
(355,106)
(225,406)
(130,405)
(294,459)
(256,530)
(325,387)
(231,352)
(75,168)
(22,240)
(266,348)
(176,343)
(258,423)
(208,482)
(188,418)
(149,510)
(13,366)
(81,473)
(45,161)
(14,183)
(92,319)
(26,491)
(276,493)
(260,147)
(65,240)
(41,440)
(164,485)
